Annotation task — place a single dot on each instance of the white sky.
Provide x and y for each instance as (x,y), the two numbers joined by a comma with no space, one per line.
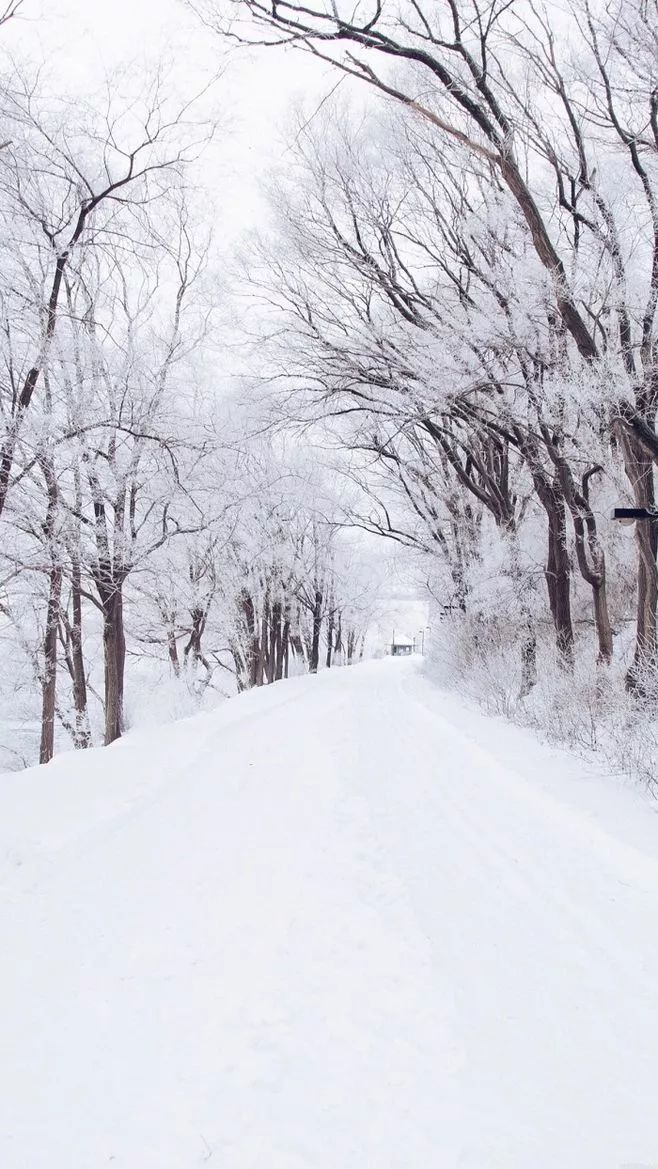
(84,40)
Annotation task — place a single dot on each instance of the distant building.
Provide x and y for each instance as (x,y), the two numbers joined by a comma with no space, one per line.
(401,647)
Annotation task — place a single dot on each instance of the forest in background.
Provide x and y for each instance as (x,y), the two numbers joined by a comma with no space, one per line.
(447,324)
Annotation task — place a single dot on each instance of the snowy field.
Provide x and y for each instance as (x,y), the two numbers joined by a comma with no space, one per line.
(341,923)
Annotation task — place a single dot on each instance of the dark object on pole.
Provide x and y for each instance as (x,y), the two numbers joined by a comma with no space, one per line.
(628,515)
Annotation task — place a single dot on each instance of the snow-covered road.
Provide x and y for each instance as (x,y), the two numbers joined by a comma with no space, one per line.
(341,923)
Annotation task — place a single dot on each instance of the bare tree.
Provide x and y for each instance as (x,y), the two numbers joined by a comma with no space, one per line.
(65,188)
(471,61)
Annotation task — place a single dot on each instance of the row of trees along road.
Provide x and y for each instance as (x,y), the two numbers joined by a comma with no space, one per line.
(468,273)
(144,517)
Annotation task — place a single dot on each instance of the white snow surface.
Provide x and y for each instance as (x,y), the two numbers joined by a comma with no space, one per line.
(341,923)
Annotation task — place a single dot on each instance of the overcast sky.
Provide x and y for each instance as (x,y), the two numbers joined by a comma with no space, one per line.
(84,40)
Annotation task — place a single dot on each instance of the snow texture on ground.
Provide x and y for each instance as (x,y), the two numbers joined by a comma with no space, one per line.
(342,923)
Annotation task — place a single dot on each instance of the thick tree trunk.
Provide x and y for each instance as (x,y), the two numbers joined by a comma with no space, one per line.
(639,469)
(603,626)
(594,574)
(114,647)
(558,579)
(558,569)
(49,684)
(596,577)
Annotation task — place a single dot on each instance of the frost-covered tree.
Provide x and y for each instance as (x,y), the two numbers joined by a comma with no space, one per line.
(460,289)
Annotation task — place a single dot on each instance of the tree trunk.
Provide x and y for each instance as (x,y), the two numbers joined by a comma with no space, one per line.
(338,643)
(114,647)
(528,658)
(49,684)
(639,469)
(49,680)
(275,642)
(330,638)
(558,579)
(193,647)
(253,652)
(558,569)
(172,650)
(314,657)
(282,651)
(589,552)
(286,649)
(529,634)
(78,676)
(603,626)
(241,671)
(594,574)
(297,645)
(262,650)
